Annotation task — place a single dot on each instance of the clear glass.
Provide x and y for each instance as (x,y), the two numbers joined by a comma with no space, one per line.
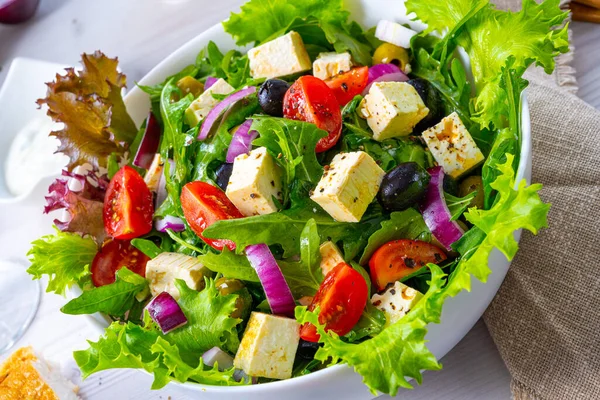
(19,301)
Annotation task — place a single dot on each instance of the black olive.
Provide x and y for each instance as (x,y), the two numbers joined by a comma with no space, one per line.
(450,185)
(223,174)
(307,350)
(403,186)
(432,100)
(270,96)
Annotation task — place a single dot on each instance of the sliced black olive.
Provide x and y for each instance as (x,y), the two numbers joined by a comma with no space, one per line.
(270,96)
(223,174)
(432,100)
(403,186)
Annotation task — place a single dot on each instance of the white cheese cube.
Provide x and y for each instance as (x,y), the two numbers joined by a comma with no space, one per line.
(268,346)
(254,182)
(206,102)
(164,269)
(396,301)
(283,56)
(452,146)
(331,256)
(328,65)
(152,177)
(348,185)
(392,109)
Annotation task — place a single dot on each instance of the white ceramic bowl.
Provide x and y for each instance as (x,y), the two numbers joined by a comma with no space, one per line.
(459,313)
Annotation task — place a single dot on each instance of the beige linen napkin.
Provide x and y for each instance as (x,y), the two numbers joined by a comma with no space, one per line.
(545,318)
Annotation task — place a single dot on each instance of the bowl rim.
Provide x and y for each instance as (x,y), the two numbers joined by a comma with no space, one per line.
(99,322)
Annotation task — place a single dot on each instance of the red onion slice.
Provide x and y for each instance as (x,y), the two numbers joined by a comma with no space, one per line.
(149,144)
(276,288)
(393,77)
(435,211)
(241,143)
(213,115)
(165,311)
(17,11)
(169,222)
(210,80)
(378,70)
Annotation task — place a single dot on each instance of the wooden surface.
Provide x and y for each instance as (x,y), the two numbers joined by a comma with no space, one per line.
(142,33)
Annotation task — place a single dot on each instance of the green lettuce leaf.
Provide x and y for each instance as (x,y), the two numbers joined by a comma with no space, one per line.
(259,20)
(64,257)
(305,276)
(399,351)
(292,144)
(114,299)
(176,355)
(229,264)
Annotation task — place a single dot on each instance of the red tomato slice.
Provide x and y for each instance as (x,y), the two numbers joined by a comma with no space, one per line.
(342,298)
(203,205)
(114,255)
(128,207)
(399,258)
(310,99)
(348,84)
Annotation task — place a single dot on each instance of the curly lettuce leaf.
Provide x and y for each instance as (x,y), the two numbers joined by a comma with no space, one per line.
(259,19)
(64,257)
(400,351)
(114,299)
(176,355)
(83,206)
(90,105)
(492,37)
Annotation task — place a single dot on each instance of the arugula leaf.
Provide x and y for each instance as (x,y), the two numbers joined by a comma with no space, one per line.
(407,224)
(371,322)
(292,144)
(285,228)
(89,105)
(114,299)
(147,247)
(176,355)
(276,16)
(64,257)
(304,277)
(230,265)
(458,205)
(231,66)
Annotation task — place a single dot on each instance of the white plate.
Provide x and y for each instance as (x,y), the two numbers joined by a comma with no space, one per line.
(459,313)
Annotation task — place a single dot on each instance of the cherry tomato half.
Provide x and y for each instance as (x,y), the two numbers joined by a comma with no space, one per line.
(348,84)
(342,298)
(128,206)
(399,258)
(310,99)
(114,255)
(203,205)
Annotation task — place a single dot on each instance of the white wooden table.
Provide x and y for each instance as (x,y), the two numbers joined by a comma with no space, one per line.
(142,33)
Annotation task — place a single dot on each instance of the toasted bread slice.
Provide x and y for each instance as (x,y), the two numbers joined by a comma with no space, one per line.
(24,375)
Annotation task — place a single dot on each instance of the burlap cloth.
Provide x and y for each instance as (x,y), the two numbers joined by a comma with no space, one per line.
(545,319)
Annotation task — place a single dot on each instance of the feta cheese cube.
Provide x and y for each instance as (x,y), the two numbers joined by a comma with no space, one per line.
(348,186)
(164,269)
(452,146)
(206,102)
(331,256)
(254,182)
(152,177)
(328,65)
(268,346)
(283,56)
(396,301)
(392,109)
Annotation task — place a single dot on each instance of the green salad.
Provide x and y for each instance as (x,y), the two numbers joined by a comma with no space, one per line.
(310,203)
